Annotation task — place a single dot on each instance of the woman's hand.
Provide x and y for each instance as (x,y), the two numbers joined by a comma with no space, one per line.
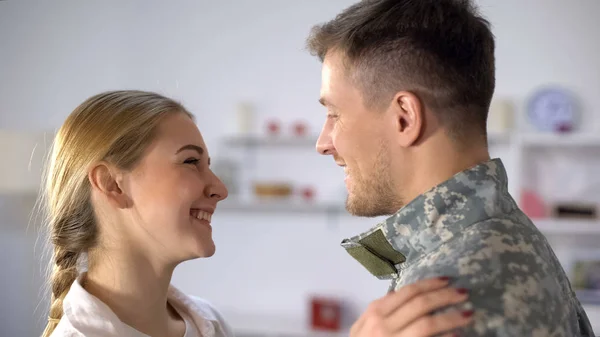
(407,312)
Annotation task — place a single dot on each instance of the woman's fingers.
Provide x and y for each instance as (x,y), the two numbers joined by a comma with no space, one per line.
(379,309)
(395,300)
(424,304)
(432,325)
(407,312)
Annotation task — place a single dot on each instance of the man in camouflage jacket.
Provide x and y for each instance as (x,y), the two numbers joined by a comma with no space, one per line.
(470,229)
(407,86)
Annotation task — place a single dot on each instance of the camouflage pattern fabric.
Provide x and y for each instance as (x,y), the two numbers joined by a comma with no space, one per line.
(470,229)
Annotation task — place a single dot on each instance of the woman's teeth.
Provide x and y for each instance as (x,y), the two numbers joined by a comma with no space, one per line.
(201,215)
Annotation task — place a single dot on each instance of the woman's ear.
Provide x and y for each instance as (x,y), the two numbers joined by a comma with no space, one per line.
(107,180)
(409,116)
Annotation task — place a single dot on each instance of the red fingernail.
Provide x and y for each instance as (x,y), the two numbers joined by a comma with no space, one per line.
(462,291)
(444,278)
(467,314)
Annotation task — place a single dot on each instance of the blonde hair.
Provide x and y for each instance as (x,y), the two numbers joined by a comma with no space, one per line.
(116,127)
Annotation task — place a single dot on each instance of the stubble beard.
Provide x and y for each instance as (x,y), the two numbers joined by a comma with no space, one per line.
(374,195)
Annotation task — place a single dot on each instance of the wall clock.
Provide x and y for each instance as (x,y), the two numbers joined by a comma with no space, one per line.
(552,109)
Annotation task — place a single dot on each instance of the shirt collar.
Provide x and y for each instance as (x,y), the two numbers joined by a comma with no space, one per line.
(431,219)
(90,315)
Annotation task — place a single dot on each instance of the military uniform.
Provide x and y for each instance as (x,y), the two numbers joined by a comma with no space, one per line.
(470,229)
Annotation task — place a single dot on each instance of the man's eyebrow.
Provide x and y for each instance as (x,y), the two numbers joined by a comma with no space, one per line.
(324,102)
(191,147)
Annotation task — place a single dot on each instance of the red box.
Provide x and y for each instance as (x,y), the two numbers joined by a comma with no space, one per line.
(326,314)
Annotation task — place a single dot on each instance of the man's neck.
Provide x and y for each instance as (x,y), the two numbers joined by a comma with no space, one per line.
(440,162)
(126,283)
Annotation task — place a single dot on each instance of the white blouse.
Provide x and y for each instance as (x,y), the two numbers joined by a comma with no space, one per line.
(84,315)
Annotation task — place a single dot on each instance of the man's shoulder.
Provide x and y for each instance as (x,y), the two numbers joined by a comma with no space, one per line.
(491,250)
(502,235)
(517,287)
(512,255)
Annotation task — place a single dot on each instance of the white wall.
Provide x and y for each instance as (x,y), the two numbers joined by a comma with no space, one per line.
(22,273)
(210,54)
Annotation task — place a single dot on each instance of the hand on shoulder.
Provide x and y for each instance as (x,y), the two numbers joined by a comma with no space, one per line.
(407,312)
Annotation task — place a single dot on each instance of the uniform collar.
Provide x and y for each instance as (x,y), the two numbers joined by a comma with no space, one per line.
(431,219)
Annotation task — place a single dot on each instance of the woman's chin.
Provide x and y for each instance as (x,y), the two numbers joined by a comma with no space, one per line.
(200,239)
(203,249)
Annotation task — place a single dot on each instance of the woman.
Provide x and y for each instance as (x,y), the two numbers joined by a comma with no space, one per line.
(129,190)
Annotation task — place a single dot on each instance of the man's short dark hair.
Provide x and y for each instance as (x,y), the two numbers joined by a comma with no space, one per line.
(441,50)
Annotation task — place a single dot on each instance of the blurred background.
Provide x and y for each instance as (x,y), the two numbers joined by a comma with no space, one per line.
(241,68)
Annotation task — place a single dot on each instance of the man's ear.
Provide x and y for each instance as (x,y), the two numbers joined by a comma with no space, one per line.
(107,180)
(409,117)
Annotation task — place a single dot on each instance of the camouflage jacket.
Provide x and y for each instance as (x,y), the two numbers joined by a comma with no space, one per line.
(470,229)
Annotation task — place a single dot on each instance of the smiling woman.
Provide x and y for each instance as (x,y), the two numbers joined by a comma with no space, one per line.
(129,187)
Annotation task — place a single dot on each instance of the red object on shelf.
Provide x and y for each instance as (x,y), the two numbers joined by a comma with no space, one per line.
(300,129)
(273,127)
(326,314)
(533,205)
(564,128)
(308,193)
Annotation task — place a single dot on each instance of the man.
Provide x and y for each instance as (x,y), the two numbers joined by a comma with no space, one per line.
(407,85)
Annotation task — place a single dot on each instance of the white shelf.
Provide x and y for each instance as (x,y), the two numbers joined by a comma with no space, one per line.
(279,206)
(568,226)
(560,140)
(260,326)
(271,141)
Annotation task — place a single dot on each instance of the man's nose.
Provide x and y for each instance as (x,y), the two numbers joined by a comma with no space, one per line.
(324,143)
